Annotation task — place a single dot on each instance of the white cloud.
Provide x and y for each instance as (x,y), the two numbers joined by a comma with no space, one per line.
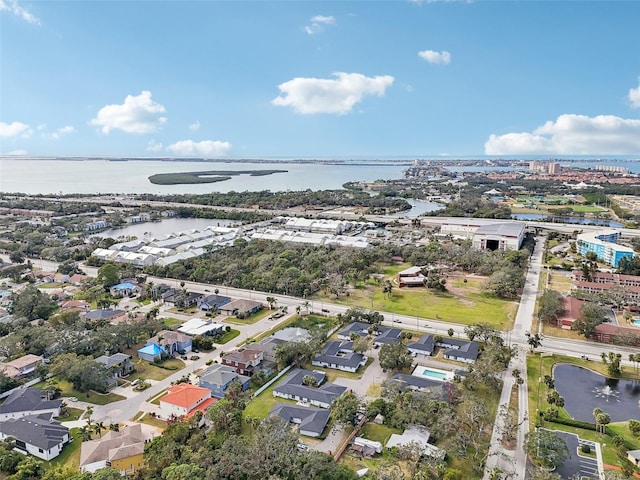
(66,130)
(15,129)
(337,95)
(205,148)
(138,114)
(572,134)
(634,96)
(154,146)
(195,126)
(17,153)
(13,7)
(318,23)
(436,58)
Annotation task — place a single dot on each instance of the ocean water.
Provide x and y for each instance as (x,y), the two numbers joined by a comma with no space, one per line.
(102,176)
(41,176)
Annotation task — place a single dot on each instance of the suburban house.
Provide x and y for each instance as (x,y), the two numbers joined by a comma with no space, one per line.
(172,342)
(125,289)
(321,395)
(385,335)
(311,421)
(382,334)
(241,306)
(634,457)
(121,450)
(21,367)
(118,364)
(184,399)
(411,277)
(75,305)
(245,361)
(36,435)
(180,298)
(217,378)
(104,314)
(28,401)
(413,382)
(418,437)
(198,326)
(359,328)
(268,348)
(460,350)
(292,334)
(339,355)
(212,302)
(151,352)
(424,345)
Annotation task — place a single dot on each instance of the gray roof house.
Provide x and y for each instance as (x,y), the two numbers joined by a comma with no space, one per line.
(359,328)
(212,302)
(386,335)
(311,421)
(217,378)
(103,314)
(419,437)
(424,345)
(36,435)
(118,364)
(460,350)
(413,382)
(339,355)
(382,334)
(322,395)
(28,401)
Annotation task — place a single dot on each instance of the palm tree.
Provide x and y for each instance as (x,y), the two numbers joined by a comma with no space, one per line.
(85,433)
(114,427)
(306,304)
(88,412)
(98,427)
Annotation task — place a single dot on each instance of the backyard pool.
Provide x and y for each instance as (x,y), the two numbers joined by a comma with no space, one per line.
(432,373)
(636,322)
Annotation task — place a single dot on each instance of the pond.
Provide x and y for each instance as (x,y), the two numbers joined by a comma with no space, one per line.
(584,390)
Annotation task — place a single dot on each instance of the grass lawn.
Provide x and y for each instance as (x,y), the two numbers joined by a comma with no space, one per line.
(184,311)
(74,414)
(156,398)
(91,397)
(468,308)
(144,417)
(227,336)
(70,454)
(251,319)
(261,405)
(146,370)
(378,433)
(171,322)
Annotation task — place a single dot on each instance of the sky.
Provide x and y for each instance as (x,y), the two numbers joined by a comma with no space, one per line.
(319,79)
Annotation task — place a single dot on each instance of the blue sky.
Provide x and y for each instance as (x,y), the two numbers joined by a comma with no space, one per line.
(319,79)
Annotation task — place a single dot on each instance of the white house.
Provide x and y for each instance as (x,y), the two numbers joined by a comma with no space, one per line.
(36,435)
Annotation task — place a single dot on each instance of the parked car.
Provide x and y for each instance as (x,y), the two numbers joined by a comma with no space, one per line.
(73,399)
(194,357)
(135,382)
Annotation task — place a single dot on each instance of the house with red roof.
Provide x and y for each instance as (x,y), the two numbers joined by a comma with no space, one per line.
(184,399)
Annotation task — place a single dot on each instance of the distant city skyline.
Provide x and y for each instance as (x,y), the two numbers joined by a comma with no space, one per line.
(334,79)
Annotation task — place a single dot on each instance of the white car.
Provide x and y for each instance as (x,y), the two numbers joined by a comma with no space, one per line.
(73,399)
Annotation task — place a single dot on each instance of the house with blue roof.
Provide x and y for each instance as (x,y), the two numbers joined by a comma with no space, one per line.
(151,352)
(125,289)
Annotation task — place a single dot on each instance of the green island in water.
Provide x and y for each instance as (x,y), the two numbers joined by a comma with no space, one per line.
(210,176)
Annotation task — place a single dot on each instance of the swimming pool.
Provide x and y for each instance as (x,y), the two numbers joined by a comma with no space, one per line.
(432,373)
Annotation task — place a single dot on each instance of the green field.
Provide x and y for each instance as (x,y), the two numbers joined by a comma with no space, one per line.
(467,308)
(227,336)
(146,370)
(90,397)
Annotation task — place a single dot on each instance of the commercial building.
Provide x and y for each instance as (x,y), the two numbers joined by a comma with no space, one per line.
(605,245)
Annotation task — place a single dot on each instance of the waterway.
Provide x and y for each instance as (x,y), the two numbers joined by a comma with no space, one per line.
(418,207)
(127,177)
(576,220)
